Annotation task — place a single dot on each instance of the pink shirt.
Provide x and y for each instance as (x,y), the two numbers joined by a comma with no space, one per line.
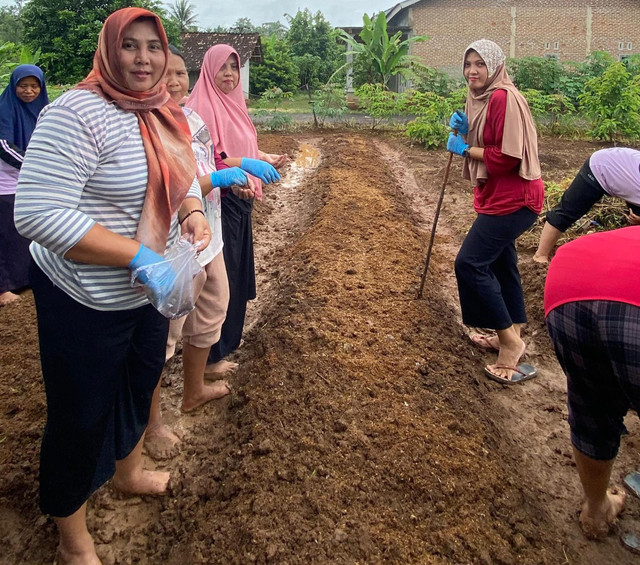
(599,266)
(618,172)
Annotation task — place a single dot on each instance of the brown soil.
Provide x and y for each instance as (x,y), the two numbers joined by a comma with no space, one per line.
(361,428)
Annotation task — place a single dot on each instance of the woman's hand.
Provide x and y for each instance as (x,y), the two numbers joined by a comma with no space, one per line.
(459,122)
(275,160)
(260,169)
(633,219)
(224,178)
(456,144)
(197,227)
(245,192)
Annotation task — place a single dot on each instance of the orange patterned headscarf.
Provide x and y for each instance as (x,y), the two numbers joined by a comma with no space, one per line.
(163,127)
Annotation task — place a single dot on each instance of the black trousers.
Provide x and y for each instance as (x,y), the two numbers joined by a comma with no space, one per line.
(100,369)
(486,269)
(237,235)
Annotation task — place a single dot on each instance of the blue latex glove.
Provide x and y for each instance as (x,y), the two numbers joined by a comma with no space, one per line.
(264,171)
(456,144)
(224,178)
(459,122)
(161,280)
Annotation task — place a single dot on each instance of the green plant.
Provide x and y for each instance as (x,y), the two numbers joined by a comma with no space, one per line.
(328,102)
(548,109)
(13,55)
(277,70)
(428,129)
(611,103)
(277,120)
(535,73)
(378,101)
(432,111)
(385,56)
(275,96)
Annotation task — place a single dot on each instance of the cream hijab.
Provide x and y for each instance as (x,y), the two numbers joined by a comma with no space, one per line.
(519,138)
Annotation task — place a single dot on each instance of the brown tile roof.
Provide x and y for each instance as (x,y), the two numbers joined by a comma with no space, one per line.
(196,44)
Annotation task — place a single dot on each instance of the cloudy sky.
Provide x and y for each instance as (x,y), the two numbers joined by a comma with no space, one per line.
(212,13)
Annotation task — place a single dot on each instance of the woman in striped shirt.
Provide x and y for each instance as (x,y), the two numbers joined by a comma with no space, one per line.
(103,187)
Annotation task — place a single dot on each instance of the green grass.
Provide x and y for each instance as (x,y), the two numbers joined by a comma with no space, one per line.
(297,104)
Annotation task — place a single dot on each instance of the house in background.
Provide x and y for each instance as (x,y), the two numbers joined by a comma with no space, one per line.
(196,44)
(567,30)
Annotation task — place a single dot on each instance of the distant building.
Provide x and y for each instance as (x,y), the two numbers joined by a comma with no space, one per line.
(567,30)
(196,44)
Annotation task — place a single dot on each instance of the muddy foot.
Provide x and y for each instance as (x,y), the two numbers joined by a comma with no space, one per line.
(82,553)
(161,443)
(508,358)
(490,342)
(145,482)
(8,298)
(214,371)
(209,393)
(596,523)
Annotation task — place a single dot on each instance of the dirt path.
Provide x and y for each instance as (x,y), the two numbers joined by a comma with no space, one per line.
(361,429)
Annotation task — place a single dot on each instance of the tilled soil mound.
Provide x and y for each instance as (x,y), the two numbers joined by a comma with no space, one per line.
(360,428)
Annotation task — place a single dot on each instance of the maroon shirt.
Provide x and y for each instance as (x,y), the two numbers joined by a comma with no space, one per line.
(504,192)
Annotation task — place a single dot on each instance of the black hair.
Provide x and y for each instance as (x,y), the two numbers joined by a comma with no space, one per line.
(173,49)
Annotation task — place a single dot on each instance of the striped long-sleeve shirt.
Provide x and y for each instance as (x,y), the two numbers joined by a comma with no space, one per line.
(85,164)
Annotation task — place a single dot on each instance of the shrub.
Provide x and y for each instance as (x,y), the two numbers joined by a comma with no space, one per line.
(378,101)
(611,104)
(328,102)
(535,73)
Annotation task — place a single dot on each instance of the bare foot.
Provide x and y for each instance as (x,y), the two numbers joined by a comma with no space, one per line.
(491,342)
(207,394)
(596,523)
(144,482)
(214,371)
(8,298)
(82,553)
(508,356)
(160,442)
(540,258)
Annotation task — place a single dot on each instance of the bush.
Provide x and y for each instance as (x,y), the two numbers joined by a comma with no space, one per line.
(535,73)
(428,130)
(328,102)
(433,111)
(611,104)
(549,111)
(378,101)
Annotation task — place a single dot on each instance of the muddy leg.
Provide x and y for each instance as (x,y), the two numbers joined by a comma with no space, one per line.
(601,505)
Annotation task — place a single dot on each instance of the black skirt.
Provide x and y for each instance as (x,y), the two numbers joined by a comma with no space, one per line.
(15,258)
(237,236)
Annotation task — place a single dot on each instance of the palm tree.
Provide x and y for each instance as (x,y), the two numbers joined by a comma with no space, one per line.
(184,13)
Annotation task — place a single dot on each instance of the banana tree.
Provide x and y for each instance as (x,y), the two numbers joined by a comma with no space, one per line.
(388,56)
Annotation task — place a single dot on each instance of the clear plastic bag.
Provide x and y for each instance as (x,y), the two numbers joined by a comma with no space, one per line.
(169,283)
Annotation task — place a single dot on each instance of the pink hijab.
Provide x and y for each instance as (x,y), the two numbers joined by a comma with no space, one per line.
(225,115)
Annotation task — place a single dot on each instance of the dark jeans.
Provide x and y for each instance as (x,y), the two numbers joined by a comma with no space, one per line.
(100,369)
(487,271)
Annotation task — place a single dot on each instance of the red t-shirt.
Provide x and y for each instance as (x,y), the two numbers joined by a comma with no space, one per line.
(599,266)
(504,192)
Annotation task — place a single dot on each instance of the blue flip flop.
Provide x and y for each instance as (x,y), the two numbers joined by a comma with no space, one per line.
(523,372)
(631,541)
